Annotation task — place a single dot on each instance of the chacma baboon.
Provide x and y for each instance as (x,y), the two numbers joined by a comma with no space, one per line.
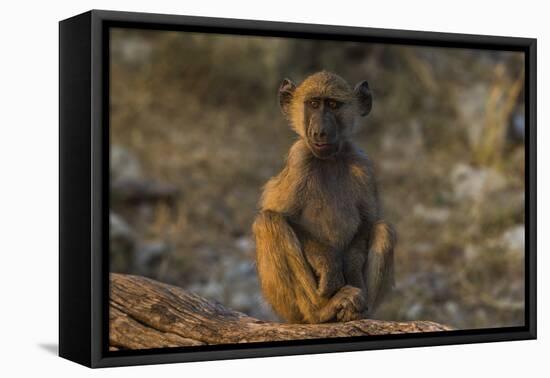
(323,253)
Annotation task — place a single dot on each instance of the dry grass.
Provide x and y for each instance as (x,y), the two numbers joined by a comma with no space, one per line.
(201,112)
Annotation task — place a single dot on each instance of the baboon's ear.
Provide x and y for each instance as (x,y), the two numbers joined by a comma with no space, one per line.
(364,97)
(286,91)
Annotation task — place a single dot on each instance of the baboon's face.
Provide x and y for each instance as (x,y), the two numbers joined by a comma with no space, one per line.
(323,125)
(324,110)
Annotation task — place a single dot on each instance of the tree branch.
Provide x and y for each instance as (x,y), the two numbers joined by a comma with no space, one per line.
(148,314)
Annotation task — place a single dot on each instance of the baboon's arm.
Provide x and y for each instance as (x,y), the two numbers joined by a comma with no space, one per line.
(355,259)
(375,237)
(379,269)
(369,262)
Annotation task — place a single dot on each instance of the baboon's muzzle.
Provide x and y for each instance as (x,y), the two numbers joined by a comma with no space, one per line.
(323,137)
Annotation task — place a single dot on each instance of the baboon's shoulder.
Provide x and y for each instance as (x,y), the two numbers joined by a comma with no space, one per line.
(281,192)
(360,166)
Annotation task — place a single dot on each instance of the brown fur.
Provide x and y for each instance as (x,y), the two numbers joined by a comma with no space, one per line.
(323,251)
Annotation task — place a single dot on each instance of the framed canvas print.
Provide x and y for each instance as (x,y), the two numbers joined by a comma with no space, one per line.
(234,188)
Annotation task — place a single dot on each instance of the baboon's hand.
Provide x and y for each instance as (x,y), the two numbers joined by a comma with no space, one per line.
(351,304)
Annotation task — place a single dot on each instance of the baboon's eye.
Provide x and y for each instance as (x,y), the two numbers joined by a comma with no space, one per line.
(314,104)
(333,104)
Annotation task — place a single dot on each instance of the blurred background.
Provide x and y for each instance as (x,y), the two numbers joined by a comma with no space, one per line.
(196,131)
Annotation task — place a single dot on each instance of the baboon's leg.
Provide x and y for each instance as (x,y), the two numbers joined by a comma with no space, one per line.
(355,259)
(379,268)
(286,278)
(326,264)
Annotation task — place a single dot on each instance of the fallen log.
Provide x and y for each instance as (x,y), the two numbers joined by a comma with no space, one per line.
(148,314)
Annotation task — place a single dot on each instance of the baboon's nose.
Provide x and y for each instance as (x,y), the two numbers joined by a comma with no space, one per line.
(320,134)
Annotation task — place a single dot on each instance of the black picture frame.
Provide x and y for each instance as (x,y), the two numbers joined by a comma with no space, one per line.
(84,187)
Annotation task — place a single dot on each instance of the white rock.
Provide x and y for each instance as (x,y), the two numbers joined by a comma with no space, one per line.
(514,238)
(119,228)
(124,165)
(431,214)
(132,49)
(471,252)
(414,311)
(471,183)
(244,243)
